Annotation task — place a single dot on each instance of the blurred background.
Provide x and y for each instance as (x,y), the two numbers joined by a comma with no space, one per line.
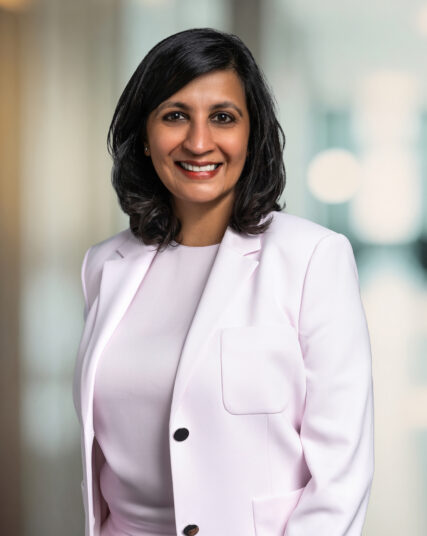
(350,82)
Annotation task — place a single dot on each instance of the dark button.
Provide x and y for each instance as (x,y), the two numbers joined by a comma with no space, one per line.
(191,530)
(180,435)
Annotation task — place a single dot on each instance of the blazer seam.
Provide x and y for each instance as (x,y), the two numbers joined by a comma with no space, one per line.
(333,233)
(268,454)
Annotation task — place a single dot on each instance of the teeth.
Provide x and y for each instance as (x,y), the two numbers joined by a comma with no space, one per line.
(189,167)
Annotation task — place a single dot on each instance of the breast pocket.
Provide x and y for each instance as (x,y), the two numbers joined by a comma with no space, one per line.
(258,365)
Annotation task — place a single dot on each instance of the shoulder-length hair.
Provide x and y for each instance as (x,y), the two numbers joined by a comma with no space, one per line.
(169,66)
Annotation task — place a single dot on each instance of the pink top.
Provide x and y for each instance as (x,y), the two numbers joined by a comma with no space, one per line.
(133,392)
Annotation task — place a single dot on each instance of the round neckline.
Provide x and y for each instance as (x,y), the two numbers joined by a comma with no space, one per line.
(198,247)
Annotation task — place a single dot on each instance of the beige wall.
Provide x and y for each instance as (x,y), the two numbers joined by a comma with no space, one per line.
(68,59)
(9,273)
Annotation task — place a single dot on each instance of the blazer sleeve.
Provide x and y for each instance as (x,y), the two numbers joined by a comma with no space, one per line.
(83,280)
(336,432)
(76,388)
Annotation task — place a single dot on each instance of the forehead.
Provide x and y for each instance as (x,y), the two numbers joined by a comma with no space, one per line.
(214,86)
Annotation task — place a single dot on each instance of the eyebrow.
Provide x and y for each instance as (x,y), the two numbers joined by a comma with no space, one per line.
(183,106)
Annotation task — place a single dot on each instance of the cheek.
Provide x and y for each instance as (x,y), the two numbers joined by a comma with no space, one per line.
(163,141)
(237,151)
(236,147)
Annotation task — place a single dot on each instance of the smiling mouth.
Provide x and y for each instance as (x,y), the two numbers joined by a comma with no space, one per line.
(196,169)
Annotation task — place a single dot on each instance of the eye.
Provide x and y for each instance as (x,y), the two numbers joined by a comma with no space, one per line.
(173,116)
(223,117)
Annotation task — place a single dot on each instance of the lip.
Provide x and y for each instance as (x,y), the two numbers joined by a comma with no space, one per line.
(198,163)
(198,174)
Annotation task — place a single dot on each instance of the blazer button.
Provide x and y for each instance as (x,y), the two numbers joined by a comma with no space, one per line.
(180,435)
(191,530)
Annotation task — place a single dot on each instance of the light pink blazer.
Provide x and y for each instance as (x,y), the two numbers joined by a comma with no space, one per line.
(274,384)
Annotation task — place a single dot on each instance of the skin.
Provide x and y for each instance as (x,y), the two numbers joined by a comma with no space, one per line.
(200,133)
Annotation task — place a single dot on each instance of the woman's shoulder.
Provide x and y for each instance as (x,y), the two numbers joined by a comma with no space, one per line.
(96,256)
(105,248)
(291,230)
(298,240)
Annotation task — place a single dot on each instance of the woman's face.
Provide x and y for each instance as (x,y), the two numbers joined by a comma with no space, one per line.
(198,139)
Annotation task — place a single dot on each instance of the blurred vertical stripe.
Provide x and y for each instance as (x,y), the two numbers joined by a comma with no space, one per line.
(10,24)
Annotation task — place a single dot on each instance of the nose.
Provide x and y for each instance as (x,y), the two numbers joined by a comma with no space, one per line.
(198,139)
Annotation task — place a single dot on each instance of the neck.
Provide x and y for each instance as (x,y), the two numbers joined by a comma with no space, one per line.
(202,225)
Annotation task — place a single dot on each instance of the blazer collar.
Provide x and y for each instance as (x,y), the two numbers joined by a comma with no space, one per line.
(241,244)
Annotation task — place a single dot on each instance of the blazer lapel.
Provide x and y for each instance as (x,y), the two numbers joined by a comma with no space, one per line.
(229,272)
(120,280)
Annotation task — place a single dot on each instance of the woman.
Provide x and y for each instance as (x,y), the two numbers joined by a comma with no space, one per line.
(223,381)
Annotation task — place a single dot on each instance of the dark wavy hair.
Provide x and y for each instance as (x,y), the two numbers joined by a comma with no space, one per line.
(169,66)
